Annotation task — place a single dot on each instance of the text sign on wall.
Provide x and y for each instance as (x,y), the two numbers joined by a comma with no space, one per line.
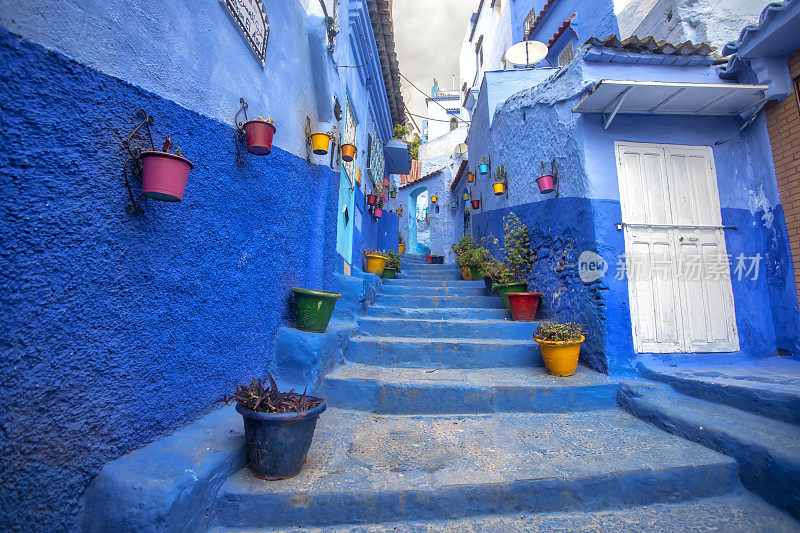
(251,17)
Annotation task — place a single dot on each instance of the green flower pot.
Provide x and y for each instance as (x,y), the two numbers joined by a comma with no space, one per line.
(314,309)
(477,273)
(389,273)
(504,288)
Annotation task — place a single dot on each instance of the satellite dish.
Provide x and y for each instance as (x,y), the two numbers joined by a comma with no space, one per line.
(461,149)
(526,53)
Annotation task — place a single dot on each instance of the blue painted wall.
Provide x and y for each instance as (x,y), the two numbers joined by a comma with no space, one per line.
(107,315)
(594,18)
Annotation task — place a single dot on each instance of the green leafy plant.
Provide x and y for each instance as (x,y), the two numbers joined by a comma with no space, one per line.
(497,270)
(268,399)
(500,175)
(472,257)
(393,260)
(400,238)
(555,331)
(401,131)
(465,243)
(517,247)
(413,148)
(485,160)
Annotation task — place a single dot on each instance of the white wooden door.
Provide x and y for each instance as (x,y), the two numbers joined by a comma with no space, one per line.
(677,264)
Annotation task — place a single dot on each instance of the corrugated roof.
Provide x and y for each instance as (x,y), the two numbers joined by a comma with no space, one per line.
(649,45)
(560,31)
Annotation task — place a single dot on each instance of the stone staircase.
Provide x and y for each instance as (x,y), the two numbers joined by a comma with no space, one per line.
(443,418)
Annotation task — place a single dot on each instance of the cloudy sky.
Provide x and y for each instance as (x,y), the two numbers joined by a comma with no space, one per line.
(428,36)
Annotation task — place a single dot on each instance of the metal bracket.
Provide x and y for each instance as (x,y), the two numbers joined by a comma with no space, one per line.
(308,139)
(135,161)
(556,179)
(617,104)
(238,135)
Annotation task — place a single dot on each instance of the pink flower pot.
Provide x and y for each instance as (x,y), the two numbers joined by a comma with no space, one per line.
(164,175)
(378,213)
(259,135)
(372,199)
(476,204)
(545,183)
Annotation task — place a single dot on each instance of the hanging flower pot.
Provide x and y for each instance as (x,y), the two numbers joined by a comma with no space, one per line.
(386,182)
(372,199)
(378,212)
(434,198)
(470,177)
(375,263)
(348,152)
(259,135)
(399,210)
(320,143)
(465,196)
(164,175)
(523,305)
(453,204)
(502,289)
(499,188)
(393,193)
(314,309)
(545,183)
(483,169)
(476,204)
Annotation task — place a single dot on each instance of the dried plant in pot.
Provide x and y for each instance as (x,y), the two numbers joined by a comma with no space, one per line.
(278,426)
(560,345)
(258,134)
(164,174)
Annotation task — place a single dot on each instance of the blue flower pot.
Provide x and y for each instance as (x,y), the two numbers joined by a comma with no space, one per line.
(483,168)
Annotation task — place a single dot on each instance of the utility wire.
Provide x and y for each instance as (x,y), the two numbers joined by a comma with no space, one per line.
(426,96)
(433,119)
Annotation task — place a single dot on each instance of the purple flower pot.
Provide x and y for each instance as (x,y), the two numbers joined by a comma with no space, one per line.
(545,183)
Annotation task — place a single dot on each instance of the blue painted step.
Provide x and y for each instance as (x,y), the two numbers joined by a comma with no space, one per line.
(443,353)
(767,450)
(367,468)
(440,313)
(430,328)
(432,276)
(418,289)
(399,300)
(428,391)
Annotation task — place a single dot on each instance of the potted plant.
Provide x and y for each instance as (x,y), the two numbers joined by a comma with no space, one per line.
(313,309)
(402,242)
(437,259)
(493,272)
(374,261)
(278,427)
(470,177)
(164,174)
(453,204)
(393,191)
(372,199)
(392,265)
(399,211)
(386,182)
(258,134)
(348,152)
(462,249)
(524,305)
(476,204)
(545,181)
(560,345)
(518,256)
(320,142)
(377,212)
(483,168)
(500,178)
(465,196)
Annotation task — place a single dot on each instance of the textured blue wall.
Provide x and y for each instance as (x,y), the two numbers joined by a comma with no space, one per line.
(117,329)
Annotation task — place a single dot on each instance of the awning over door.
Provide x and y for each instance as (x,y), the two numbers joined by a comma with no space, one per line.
(612,97)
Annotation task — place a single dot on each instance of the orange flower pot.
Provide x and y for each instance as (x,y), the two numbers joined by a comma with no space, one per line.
(348,152)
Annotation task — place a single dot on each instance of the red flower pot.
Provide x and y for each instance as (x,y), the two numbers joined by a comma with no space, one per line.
(164,175)
(378,213)
(259,135)
(348,152)
(429,258)
(524,305)
(372,199)
(476,204)
(545,183)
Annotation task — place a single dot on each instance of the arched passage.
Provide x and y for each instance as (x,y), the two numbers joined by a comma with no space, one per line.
(419,237)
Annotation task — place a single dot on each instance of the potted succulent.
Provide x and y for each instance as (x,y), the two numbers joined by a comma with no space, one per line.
(402,242)
(259,134)
(560,345)
(545,181)
(164,174)
(392,265)
(374,261)
(500,178)
(320,142)
(483,168)
(518,256)
(313,309)
(393,191)
(278,427)
(348,152)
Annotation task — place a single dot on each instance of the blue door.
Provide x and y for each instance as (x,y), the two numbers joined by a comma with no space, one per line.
(345,219)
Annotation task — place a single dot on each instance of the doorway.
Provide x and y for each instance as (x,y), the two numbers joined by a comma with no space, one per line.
(419,235)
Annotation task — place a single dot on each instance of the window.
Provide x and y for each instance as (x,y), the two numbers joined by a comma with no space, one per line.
(375,161)
(453,123)
(566,55)
(528,24)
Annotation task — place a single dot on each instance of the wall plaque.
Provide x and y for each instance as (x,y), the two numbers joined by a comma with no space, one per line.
(251,18)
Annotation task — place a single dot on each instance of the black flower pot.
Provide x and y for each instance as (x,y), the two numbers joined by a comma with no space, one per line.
(489,282)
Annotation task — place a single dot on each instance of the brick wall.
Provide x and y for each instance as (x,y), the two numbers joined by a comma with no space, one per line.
(783,120)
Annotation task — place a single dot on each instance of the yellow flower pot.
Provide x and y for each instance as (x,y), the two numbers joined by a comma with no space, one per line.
(466,273)
(402,248)
(320,143)
(499,188)
(561,357)
(375,264)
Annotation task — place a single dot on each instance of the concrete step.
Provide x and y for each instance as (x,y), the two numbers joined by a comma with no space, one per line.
(768,450)
(433,276)
(441,313)
(400,282)
(427,391)
(443,353)
(736,513)
(768,387)
(417,290)
(428,302)
(412,267)
(367,468)
(462,328)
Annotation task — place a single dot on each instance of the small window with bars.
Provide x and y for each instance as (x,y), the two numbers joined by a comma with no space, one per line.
(566,55)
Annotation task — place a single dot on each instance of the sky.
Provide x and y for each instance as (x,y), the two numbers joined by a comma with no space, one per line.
(427,35)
